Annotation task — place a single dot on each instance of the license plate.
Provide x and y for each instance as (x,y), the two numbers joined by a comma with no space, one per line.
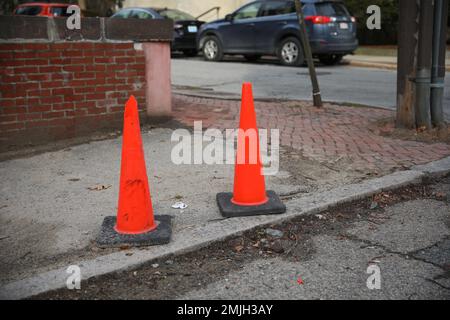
(343,25)
(192,29)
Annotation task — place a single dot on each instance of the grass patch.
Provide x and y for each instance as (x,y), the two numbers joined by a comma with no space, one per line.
(390,51)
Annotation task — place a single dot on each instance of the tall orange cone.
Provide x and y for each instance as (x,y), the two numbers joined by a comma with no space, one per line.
(135,213)
(135,223)
(249,185)
(249,195)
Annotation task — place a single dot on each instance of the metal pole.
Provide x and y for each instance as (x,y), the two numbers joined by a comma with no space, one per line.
(317,98)
(423,74)
(438,64)
(406,65)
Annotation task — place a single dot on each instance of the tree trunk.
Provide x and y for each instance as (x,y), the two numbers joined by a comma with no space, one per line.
(406,63)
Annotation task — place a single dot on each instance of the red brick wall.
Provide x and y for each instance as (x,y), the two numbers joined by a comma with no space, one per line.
(61,90)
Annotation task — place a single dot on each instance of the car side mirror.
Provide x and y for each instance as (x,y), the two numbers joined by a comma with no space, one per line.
(229,17)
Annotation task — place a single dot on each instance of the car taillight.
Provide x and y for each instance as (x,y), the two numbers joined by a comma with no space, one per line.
(353,19)
(319,19)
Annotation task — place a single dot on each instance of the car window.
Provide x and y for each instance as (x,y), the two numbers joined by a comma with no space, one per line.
(308,10)
(175,15)
(248,12)
(141,14)
(59,12)
(331,9)
(273,8)
(29,10)
(123,14)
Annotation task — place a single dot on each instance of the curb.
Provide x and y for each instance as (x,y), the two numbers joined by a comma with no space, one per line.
(377,65)
(385,66)
(260,99)
(186,241)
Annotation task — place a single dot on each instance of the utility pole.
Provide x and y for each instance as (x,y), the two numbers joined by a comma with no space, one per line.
(317,98)
(438,61)
(406,63)
(423,74)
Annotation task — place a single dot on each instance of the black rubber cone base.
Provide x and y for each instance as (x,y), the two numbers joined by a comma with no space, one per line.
(109,237)
(228,209)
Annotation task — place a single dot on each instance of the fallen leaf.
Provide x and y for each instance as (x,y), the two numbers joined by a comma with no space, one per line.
(440,195)
(99,187)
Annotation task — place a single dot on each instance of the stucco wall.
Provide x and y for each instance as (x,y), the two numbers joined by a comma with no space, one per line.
(194,7)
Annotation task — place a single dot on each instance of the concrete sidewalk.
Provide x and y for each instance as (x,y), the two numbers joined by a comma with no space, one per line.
(51,210)
(396,249)
(49,216)
(382,62)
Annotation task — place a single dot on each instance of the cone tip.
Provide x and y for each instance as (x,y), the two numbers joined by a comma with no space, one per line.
(131,107)
(131,100)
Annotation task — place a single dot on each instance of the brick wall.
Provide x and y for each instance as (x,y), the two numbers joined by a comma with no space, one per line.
(61,90)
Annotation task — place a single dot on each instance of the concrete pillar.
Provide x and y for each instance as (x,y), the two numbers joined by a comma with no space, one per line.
(158,91)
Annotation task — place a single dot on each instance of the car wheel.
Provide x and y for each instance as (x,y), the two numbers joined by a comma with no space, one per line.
(212,49)
(251,57)
(290,52)
(190,53)
(331,59)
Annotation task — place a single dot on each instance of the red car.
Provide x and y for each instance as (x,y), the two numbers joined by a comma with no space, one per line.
(43,9)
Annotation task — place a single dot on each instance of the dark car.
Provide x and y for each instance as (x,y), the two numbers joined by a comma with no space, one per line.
(185,25)
(270,27)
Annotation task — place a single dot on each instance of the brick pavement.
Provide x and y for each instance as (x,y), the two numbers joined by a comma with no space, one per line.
(331,134)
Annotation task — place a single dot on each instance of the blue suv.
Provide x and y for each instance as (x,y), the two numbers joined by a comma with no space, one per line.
(270,27)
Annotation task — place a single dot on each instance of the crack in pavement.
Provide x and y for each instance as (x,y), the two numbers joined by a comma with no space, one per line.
(406,256)
(436,283)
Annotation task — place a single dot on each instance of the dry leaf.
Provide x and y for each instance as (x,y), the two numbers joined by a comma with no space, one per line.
(100,187)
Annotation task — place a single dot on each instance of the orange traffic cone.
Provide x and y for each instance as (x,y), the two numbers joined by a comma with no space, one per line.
(135,213)
(135,223)
(249,196)
(249,185)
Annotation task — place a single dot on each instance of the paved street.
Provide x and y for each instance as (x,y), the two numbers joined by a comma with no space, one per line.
(367,86)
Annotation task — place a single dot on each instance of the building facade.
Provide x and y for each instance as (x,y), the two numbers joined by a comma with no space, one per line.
(193,7)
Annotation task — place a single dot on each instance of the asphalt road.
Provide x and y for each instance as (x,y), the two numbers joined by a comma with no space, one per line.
(342,83)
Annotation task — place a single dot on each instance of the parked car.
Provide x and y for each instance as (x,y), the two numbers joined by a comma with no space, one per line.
(270,27)
(43,9)
(185,25)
